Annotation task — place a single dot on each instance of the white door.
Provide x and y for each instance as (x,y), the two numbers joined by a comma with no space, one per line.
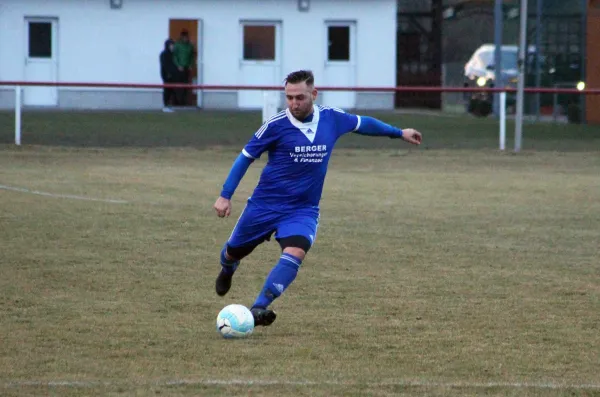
(340,65)
(259,60)
(200,62)
(41,60)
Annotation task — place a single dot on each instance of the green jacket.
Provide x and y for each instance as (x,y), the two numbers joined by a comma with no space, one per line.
(184,54)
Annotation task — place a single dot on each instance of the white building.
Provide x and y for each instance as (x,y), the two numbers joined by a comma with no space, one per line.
(344,42)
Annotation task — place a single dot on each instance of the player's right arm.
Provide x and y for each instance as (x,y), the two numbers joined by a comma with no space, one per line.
(237,172)
(260,142)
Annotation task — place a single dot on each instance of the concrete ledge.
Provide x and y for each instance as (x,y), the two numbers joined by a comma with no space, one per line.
(7,98)
(109,99)
(219,99)
(374,100)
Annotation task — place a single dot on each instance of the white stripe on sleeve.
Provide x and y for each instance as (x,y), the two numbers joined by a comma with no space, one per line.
(245,153)
(357,124)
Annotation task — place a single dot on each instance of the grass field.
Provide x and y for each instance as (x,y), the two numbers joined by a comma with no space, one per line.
(448,270)
(231,129)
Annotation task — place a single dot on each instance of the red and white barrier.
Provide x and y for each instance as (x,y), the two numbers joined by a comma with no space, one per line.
(271,97)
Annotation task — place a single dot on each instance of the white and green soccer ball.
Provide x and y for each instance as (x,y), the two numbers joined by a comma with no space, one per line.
(235,321)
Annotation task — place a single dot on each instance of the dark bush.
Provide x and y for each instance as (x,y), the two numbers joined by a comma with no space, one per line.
(480,108)
(574,114)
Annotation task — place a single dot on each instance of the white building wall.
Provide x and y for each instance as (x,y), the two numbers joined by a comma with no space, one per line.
(99,44)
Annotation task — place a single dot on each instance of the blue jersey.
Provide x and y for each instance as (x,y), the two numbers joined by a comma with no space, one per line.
(299,153)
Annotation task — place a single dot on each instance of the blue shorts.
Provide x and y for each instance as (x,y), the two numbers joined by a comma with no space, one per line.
(256,224)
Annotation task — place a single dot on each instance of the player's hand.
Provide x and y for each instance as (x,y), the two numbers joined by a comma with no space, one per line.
(223,207)
(412,136)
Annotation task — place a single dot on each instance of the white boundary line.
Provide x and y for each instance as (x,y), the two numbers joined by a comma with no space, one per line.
(263,382)
(67,196)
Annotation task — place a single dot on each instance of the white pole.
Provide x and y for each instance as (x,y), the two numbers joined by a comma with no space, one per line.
(270,104)
(265,109)
(503,120)
(498,72)
(17,115)
(521,81)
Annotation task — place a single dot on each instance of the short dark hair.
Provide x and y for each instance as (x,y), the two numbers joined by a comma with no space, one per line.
(299,76)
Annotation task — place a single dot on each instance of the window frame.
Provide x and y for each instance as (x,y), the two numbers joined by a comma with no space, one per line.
(277,25)
(351,24)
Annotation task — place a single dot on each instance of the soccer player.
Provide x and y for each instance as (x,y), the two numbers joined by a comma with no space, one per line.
(299,142)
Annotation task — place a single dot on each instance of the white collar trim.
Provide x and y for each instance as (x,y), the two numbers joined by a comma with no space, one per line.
(308,129)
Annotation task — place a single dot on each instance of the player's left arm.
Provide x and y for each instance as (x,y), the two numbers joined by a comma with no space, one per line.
(366,125)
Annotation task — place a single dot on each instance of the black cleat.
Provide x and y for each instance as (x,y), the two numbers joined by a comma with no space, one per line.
(223,283)
(263,317)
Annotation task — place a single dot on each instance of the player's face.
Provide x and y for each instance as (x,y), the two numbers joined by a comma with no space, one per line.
(300,98)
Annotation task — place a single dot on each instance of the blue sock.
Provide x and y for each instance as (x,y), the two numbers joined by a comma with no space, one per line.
(228,266)
(279,279)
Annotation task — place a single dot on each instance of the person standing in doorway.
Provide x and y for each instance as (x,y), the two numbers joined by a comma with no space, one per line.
(184,59)
(169,74)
